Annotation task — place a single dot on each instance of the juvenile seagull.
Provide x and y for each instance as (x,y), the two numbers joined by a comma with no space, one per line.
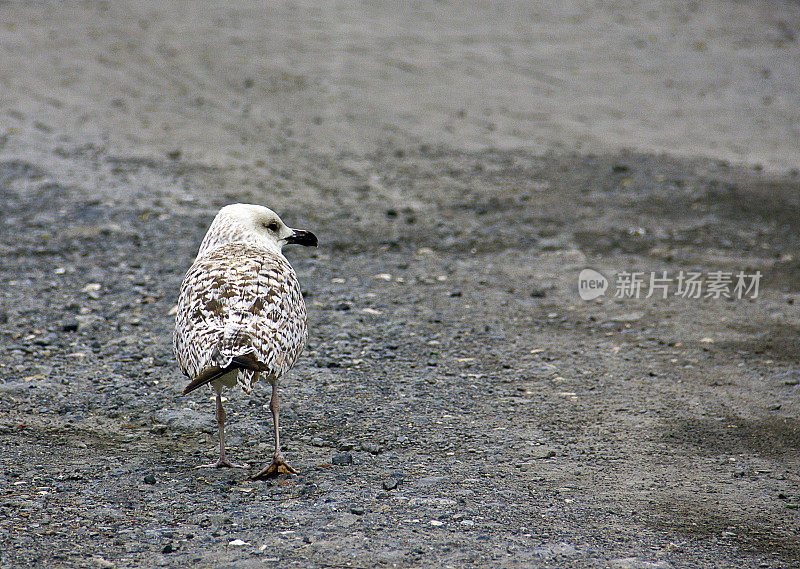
(240,312)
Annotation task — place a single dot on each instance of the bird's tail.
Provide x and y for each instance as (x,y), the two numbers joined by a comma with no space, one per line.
(247,361)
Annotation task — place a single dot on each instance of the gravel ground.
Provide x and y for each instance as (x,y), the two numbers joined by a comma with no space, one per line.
(458,403)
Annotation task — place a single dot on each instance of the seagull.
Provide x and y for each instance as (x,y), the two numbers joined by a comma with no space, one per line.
(241,314)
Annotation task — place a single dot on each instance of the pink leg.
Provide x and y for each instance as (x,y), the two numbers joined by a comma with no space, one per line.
(223,462)
(278,465)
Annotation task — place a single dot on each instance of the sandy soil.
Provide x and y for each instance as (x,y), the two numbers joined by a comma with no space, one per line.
(228,83)
(458,403)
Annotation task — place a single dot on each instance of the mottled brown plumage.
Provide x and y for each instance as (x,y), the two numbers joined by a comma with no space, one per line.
(239,299)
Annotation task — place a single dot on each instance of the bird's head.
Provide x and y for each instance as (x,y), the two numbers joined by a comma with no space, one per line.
(245,222)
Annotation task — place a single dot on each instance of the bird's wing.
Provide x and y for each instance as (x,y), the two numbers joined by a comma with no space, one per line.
(238,300)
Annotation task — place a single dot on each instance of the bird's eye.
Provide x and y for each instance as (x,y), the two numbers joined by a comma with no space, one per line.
(272,226)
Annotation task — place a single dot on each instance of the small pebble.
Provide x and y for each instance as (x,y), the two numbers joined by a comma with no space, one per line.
(149,479)
(357,510)
(103,563)
(342,459)
(168,548)
(392,483)
(371,448)
(543,452)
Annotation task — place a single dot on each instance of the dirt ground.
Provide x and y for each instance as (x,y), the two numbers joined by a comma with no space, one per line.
(458,404)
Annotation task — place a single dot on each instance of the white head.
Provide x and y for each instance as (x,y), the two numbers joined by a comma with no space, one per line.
(254,224)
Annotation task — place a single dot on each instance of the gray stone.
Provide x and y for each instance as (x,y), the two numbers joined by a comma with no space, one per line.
(392,483)
(343,459)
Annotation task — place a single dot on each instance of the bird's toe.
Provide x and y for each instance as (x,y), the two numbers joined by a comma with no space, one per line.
(278,466)
(223,463)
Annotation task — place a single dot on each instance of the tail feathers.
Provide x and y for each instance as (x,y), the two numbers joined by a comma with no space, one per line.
(247,361)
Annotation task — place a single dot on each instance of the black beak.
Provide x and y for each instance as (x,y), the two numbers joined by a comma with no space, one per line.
(302,237)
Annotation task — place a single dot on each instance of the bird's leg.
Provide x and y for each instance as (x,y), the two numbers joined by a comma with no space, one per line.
(274,407)
(223,462)
(278,465)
